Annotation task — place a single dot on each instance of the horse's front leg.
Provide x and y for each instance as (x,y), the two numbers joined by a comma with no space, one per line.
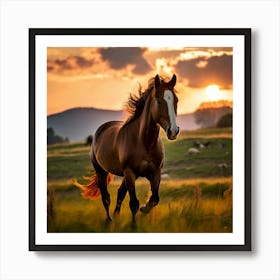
(129,180)
(154,199)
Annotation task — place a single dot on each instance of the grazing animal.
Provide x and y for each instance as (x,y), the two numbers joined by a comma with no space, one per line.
(193,151)
(199,145)
(207,144)
(223,165)
(133,148)
(165,176)
(196,144)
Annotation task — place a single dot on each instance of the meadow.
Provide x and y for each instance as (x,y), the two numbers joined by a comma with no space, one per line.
(195,190)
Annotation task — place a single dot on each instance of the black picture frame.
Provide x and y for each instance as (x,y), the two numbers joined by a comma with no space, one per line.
(244,33)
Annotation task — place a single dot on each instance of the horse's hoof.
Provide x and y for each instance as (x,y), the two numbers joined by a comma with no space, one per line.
(133,219)
(144,209)
(109,219)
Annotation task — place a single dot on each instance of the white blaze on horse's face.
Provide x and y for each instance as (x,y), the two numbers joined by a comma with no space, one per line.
(168,96)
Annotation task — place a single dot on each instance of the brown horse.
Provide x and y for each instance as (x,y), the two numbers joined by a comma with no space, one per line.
(133,148)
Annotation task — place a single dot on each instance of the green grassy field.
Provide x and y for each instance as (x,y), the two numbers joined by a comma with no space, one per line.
(195,193)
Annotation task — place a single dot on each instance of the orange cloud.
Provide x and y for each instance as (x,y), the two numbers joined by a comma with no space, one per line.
(215,70)
(104,77)
(215,104)
(69,63)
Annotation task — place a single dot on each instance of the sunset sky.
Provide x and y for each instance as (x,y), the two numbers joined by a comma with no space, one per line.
(104,77)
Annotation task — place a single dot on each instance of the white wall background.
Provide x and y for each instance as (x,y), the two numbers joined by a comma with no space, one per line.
(16,262)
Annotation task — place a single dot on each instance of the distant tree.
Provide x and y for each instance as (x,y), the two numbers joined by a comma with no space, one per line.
(208,117)
(89,140)
(225,121)
(50,132)
(53,138)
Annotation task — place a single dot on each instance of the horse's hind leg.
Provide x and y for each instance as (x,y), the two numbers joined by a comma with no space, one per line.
(102,182)
(129,179)
(121,195)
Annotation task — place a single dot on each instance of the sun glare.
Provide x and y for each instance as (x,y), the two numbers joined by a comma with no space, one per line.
(213,93)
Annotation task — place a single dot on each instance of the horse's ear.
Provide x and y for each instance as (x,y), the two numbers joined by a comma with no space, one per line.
(173,81)
(157,81)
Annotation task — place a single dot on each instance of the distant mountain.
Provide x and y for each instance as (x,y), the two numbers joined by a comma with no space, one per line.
(77,123)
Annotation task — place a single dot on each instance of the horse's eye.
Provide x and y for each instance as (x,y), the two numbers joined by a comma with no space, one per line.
(159,102)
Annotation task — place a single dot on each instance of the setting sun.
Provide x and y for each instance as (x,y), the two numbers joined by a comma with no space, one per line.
(213,93)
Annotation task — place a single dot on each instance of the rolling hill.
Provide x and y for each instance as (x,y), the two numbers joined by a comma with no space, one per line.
(77,123)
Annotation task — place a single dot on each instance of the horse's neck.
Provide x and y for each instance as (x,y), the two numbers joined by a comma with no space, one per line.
(148,129)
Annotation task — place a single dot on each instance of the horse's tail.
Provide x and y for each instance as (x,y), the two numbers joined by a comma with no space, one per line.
(91,189)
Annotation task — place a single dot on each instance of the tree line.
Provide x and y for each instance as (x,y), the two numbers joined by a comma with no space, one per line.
(213,117)
(53,138)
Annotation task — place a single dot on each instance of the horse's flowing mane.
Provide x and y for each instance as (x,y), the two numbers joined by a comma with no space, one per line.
(136,102)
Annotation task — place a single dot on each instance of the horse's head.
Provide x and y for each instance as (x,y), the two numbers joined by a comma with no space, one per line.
(164,106)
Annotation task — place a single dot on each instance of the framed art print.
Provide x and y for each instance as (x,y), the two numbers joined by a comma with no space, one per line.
(140,139)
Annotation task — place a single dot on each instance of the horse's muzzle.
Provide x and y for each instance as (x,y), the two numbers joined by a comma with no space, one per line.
(172,133)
